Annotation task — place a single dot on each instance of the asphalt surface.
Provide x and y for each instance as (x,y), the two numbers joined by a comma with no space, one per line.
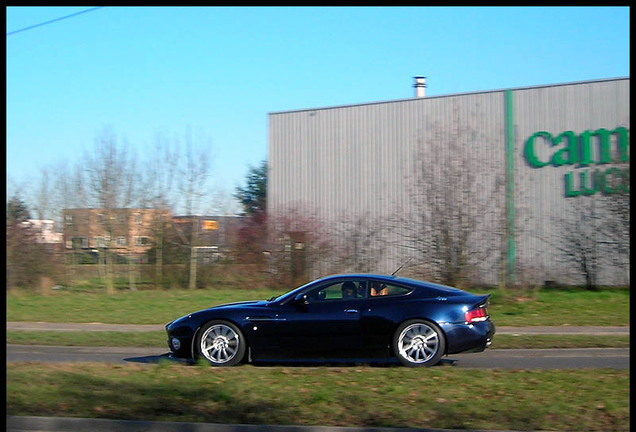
(616,358)
(574,358)
(56,424)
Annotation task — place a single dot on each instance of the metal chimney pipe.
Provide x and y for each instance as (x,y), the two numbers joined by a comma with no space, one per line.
(420,86)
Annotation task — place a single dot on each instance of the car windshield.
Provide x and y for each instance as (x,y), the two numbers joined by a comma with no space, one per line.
(290,294)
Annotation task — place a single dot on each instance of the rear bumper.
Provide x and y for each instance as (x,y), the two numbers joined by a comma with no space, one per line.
(474,337)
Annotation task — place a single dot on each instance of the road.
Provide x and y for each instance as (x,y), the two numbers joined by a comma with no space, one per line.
(57,424)
(617,358)
(614,358)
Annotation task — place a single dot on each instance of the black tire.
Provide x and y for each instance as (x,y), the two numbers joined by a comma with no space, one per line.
(419,343)
(220,343)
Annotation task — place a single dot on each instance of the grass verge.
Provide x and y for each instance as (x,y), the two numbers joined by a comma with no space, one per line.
(88,339)
(123,307)
(558,341)
(591,400)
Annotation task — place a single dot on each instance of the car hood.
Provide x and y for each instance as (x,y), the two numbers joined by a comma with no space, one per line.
(204,313)
(238,305)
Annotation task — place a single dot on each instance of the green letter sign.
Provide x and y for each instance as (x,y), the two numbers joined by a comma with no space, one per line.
(530,153)
(580,151)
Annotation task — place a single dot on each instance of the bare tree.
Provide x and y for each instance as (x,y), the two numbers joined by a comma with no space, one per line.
(194,174)
(43,194)
(594,234)
(357,242)
(27,261)
(298,246)
(617,226)
(68,191)
(111,172)
(579,239)
(70,187)
(112,180)
(453,222)
(159,183)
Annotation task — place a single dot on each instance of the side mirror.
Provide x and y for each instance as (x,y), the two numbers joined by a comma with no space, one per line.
(301,300)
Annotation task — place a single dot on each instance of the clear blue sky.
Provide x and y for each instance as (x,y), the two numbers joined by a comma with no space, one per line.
(144,72)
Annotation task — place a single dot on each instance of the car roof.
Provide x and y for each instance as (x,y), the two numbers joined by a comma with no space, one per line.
(357,275)
(391,278)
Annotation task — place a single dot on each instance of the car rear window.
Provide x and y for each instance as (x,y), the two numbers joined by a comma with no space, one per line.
(383,289)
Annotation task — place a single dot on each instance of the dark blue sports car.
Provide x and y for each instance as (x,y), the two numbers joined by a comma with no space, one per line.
(350,316)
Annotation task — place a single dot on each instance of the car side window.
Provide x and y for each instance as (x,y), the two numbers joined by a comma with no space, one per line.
(381,289)
(347,290)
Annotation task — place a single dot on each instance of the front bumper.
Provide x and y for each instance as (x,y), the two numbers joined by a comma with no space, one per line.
(179,340)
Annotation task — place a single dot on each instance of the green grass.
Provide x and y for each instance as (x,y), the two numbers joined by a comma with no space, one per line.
(444,397)
(88,339)
(124,307)
(558,341)
(548,307)
(562,307)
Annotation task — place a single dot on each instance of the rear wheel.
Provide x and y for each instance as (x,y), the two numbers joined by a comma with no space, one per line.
(418,343)
(220,343)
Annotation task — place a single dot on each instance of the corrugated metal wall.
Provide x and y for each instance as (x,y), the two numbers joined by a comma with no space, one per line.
(339,162)
(540,192)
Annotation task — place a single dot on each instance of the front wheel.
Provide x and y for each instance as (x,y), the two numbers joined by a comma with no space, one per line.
(419,343)
(220,343)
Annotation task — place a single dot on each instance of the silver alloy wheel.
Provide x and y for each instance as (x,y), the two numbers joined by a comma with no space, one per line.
(418,343)
(219,344)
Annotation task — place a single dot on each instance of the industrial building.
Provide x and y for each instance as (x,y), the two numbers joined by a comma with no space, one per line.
(531,183)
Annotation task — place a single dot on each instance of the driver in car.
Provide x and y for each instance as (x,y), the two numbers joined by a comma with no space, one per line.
(348,290)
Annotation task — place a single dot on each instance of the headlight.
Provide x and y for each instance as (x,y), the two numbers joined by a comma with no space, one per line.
(176,343)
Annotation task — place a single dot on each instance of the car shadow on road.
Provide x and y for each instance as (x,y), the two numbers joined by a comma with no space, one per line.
(156,359)
(386,363)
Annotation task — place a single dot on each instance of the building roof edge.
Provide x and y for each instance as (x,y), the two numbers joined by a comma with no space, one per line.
(413,99)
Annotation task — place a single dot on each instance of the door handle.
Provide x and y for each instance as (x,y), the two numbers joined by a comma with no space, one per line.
(351,310)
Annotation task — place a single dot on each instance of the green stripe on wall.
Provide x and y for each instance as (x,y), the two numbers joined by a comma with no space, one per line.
(510,186)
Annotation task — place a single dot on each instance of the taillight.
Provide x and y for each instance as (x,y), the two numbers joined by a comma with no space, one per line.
(476,315)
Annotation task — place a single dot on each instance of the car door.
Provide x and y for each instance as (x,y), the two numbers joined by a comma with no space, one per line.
(324,322)
(385,308)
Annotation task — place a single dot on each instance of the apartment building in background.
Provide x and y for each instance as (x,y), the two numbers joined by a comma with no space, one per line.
(214,236)
(127,231)
(132,232)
